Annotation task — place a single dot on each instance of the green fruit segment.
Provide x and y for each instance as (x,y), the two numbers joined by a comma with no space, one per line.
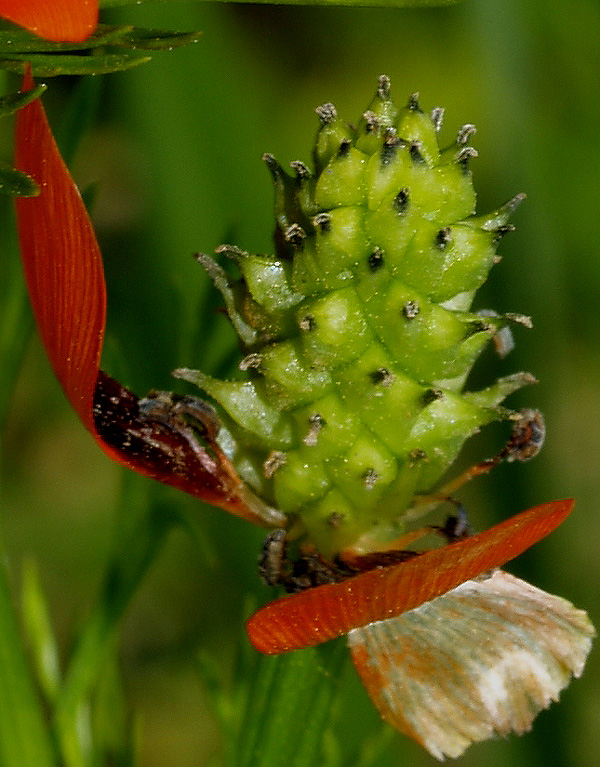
(380,391)
(419,130)
(248,407)
(359,332)
(443,262)
(334,329)
(341,183)
(268,281)
(287,380)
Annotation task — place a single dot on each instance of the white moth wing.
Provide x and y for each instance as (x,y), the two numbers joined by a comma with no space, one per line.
(484,658)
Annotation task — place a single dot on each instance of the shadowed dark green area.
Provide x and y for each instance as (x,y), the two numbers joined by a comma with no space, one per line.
(175,155)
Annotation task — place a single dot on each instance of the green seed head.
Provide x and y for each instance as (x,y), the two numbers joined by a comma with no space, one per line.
(357,333)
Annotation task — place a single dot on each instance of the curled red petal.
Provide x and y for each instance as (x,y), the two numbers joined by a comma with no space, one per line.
(58,20)
(326,612)
(62,261)
(150,437)
(65,280)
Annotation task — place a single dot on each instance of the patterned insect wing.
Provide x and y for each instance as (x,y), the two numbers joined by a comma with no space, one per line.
(484,658)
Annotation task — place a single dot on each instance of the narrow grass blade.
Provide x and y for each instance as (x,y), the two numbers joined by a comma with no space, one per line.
(24,738)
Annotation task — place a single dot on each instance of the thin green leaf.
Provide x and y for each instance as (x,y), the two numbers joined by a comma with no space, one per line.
(231,695)
(156,39)
(16,41)
(360,3)
(17,184)
(117,3)
(36,620)
(109,49)
(289,708)
(111,722)
(64,64)
(142,531)
(215,684)
(13,101)
(24,738)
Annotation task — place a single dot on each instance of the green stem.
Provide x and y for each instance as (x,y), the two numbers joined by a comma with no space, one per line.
(289,706)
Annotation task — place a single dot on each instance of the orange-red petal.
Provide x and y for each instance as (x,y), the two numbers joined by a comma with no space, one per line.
(149,437)
(57,20)
(325,612)
(65,280)
(62,261)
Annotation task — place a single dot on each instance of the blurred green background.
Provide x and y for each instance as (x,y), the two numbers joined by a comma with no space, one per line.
(175,157)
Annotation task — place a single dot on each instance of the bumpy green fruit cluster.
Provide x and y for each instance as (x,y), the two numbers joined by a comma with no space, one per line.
(358,332)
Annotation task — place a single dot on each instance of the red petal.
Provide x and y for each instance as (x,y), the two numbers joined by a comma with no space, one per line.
(65,280)
(149,437)
(62,261)
(325,612)
(57,20)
